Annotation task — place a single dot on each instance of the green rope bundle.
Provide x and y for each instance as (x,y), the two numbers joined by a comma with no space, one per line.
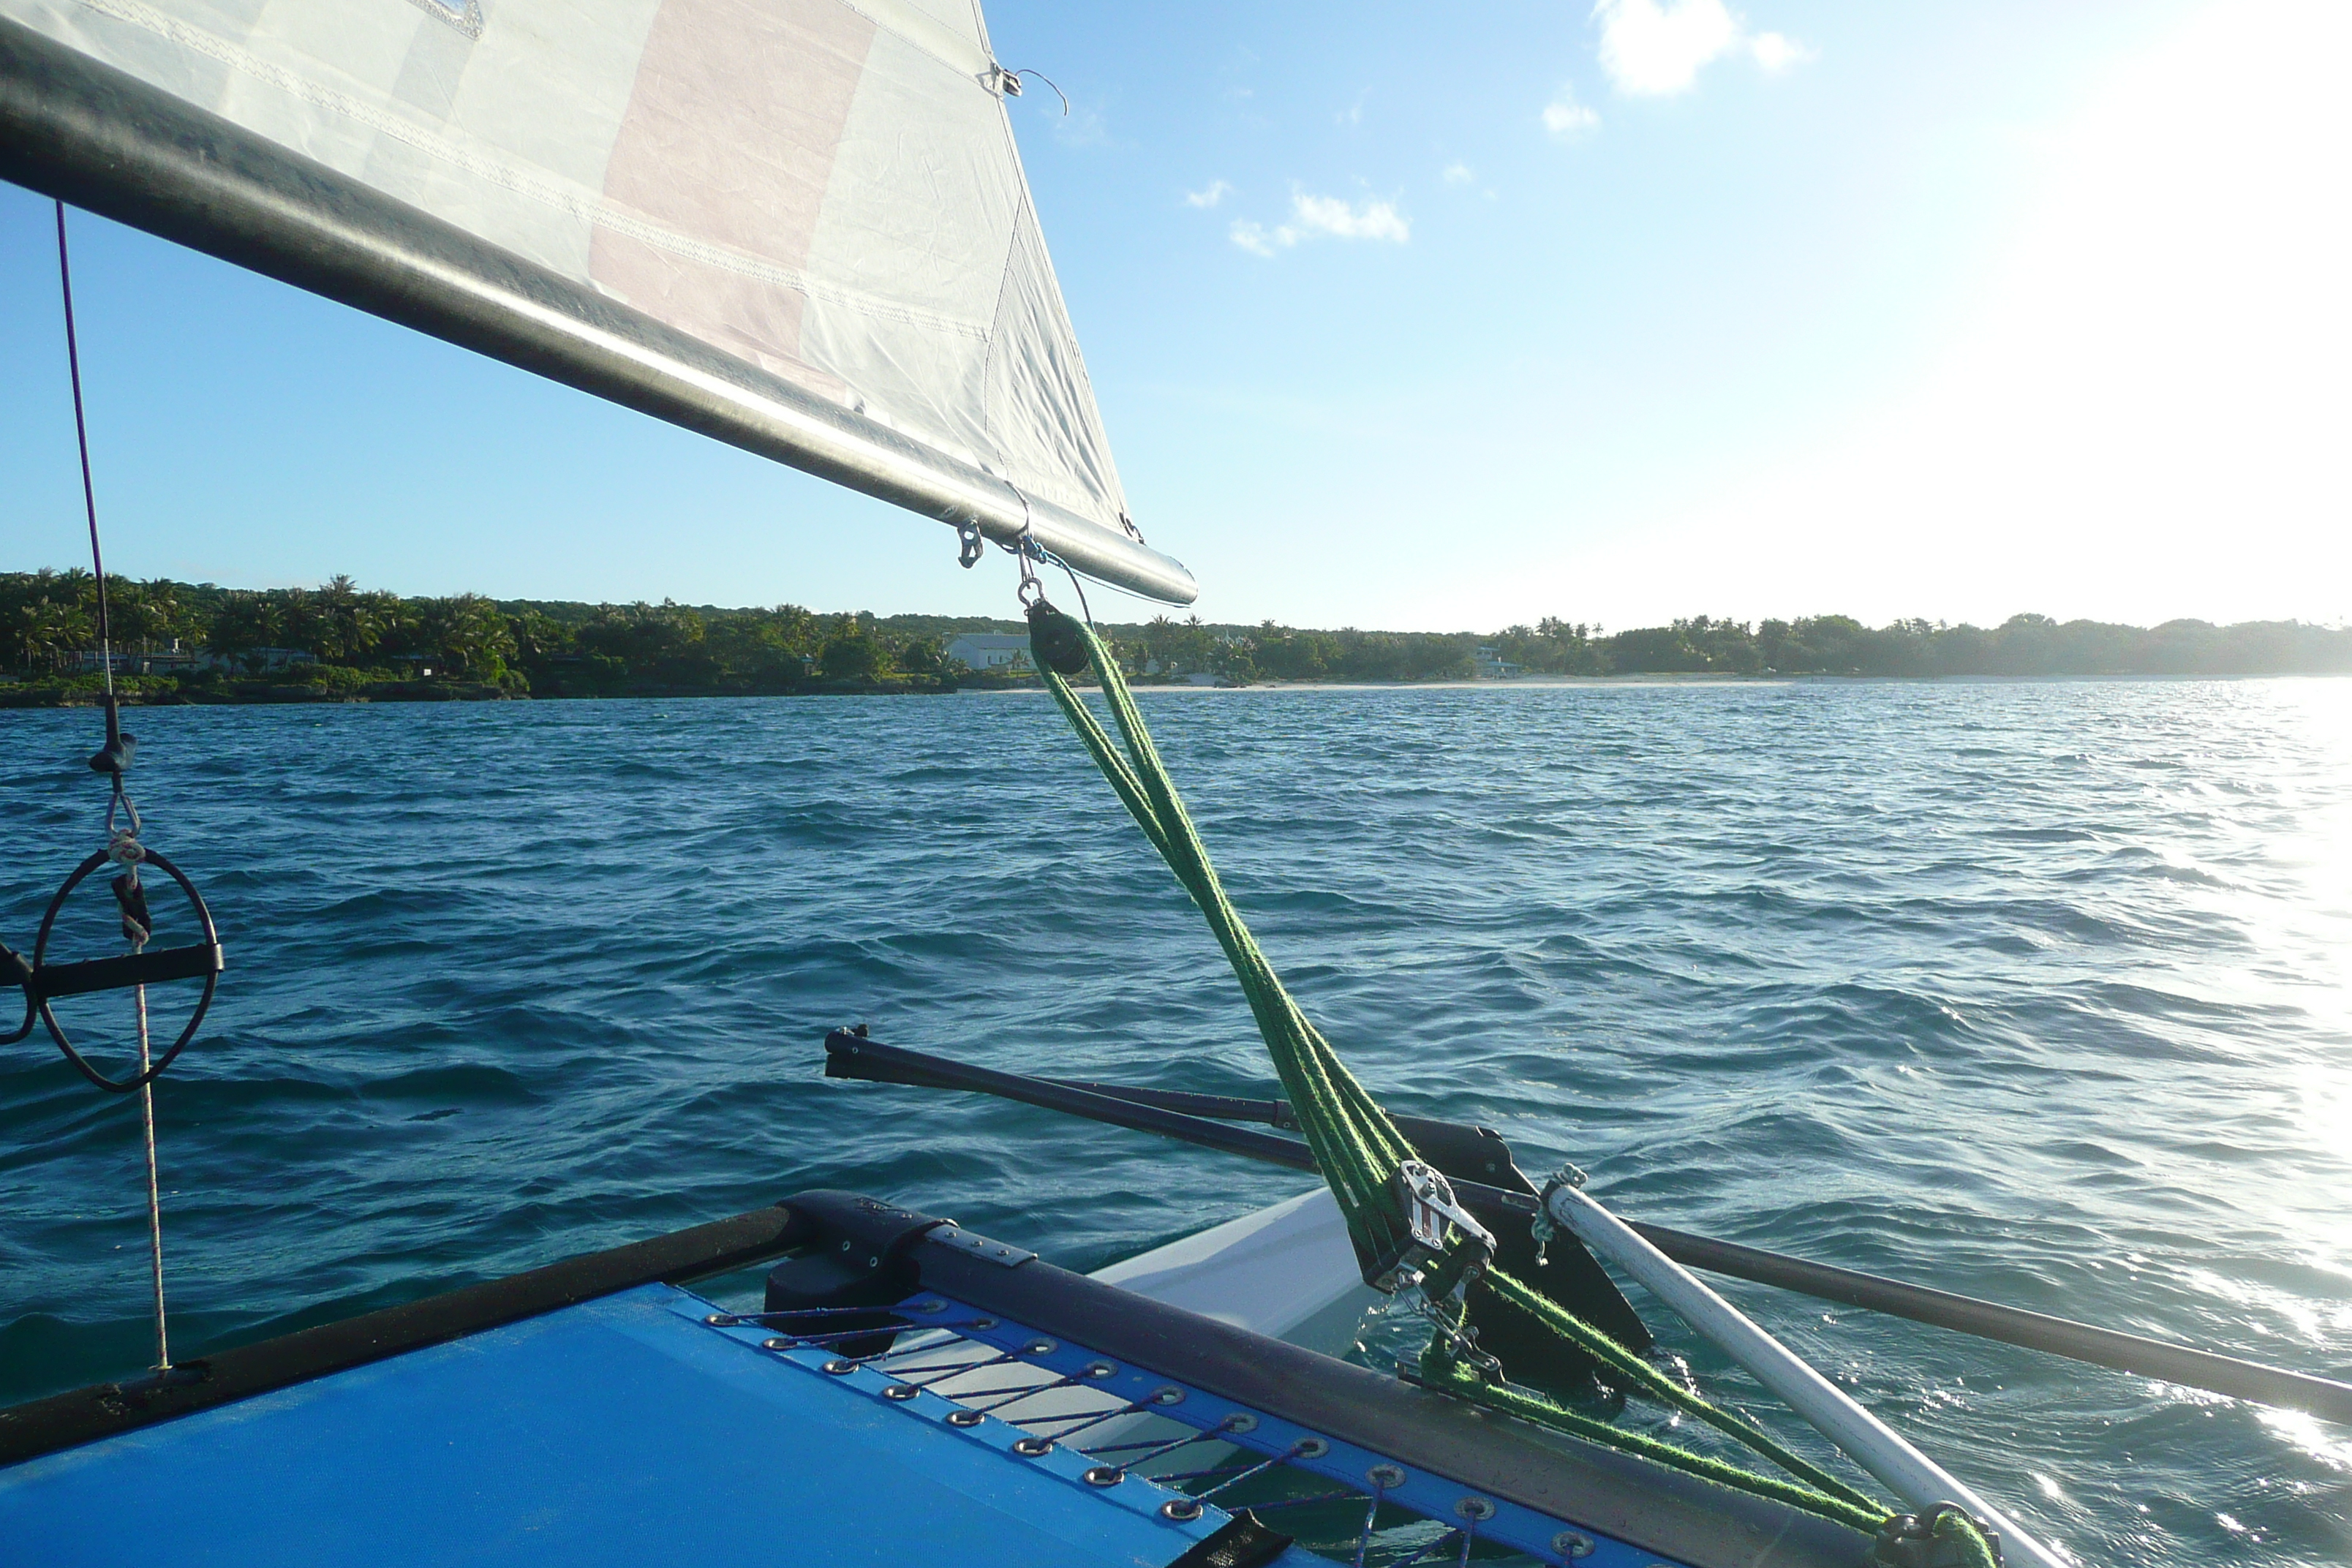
(1353,1140)
(1358,1149)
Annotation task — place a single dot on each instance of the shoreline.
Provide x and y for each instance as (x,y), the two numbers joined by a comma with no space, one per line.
(257,695)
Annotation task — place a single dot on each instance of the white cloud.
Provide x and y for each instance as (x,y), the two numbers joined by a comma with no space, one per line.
(1565,118)
(1777,51)
(1254,237)
(1209,195)
(1458,174)
(1657,47)
(1332,216)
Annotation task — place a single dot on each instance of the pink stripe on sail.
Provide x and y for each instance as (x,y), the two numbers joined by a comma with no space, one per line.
(730,137)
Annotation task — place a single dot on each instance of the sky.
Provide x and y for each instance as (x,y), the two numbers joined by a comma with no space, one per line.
(1424,317)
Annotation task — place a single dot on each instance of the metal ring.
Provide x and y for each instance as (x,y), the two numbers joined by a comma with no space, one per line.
(1571,1544)
(900,1391)
(1101,1368)
(1104,1475)
(1033,1447)
(212,979)
(1309,1448)
(1385,1478)
(1039,1347)
(1183,1509)
(841,1368)
(1474,1507)
(778,1344)
(965,1418)
(1171,1394)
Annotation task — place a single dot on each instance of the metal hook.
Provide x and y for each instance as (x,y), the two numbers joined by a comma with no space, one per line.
(1010,81)
(1030,589)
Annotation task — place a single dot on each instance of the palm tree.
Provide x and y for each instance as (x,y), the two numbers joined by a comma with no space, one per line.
(347,625)
(244,623)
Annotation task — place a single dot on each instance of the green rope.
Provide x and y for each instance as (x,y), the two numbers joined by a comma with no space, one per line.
(1956,1526)
(1358,1149)
(1353,1140)
(1666,1391)
(1530,1405)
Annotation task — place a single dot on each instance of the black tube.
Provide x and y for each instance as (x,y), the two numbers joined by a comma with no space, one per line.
(853,1056)
(2214,1374)
(1459,1148)
(850,1056)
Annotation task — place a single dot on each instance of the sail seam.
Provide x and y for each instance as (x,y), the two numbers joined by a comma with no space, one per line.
(1113,499)
(995,333)
(921,33)
(589,209)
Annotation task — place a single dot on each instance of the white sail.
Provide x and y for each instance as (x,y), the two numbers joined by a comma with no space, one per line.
(799,224)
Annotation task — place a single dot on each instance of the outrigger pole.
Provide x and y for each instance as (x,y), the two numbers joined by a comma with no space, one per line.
(1877,1448)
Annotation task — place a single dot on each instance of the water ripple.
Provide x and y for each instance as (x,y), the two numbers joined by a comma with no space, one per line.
(2036,991)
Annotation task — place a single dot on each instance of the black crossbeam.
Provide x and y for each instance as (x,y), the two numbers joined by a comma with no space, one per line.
(48,980)
(1147,1110)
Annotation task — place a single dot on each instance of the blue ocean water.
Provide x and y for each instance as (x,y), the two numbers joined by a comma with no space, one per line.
(2041,992)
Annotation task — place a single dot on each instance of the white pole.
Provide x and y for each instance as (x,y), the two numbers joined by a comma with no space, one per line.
(1913,1477)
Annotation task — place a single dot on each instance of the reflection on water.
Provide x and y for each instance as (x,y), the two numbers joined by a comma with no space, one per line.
(2038,992)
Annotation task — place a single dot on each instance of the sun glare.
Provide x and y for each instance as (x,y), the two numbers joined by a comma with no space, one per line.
(2150,401)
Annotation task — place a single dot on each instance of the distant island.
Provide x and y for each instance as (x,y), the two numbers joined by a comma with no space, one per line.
(197,642)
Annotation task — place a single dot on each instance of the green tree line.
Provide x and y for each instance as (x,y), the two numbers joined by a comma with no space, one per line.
(2025,644)
(341,636)
(1818,644)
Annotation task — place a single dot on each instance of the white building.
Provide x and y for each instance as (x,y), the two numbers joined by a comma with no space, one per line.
(1487,664)
(1007,651)
(171,659)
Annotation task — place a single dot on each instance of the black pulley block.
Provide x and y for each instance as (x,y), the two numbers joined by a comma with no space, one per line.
(1060,642)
